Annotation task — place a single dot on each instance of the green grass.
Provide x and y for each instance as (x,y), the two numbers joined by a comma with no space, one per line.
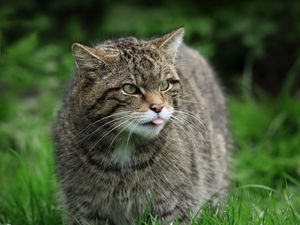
(265,166)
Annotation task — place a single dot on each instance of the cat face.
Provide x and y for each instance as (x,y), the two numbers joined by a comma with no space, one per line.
(150,99)
(132,83)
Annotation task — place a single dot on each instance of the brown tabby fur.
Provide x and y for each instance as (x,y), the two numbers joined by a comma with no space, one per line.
(109,174)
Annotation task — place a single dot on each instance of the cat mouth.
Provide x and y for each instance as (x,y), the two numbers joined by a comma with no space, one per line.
(155,122)
(158,121)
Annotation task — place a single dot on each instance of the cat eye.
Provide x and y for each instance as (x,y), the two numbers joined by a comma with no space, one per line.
(164,85)
(130,89)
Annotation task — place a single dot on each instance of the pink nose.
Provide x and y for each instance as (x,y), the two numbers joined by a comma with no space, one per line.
(157,107)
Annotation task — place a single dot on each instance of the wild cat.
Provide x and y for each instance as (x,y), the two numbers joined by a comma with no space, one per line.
(144,122)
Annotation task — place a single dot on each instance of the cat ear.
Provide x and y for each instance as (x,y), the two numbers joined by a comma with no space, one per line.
(91,58)
(170,42)
(85,57)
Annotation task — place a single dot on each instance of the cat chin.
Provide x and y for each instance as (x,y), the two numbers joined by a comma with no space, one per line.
(147,131)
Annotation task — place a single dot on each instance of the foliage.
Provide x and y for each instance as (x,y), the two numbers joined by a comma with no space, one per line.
(244,42)
(235,36)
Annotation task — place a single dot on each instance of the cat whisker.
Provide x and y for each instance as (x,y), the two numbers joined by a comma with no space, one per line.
(87,136)
(188,126)
(121,131)
(194,140)
(189,114)
(194,102)
(108,132)
(182,118)
(184,96)
(190,122)
(130,133)
(95,110)
(98,121)
(86,115)
(105,134)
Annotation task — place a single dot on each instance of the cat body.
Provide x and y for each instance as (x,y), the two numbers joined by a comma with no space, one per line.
(143,131)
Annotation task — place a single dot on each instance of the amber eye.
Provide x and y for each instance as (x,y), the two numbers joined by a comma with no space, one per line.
(164,85)
(130,89)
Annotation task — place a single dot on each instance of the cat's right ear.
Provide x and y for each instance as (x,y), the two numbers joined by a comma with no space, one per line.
(86,58)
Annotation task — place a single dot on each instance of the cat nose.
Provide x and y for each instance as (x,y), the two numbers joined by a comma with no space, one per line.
(157,107)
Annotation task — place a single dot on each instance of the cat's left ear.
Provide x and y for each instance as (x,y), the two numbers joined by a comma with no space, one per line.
(170,42)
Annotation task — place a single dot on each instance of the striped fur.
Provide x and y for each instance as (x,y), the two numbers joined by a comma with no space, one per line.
(183,165)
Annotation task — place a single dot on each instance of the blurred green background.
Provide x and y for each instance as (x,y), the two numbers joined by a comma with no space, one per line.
(254,48)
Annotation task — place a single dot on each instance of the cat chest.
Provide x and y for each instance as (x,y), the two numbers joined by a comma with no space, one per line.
(127,203)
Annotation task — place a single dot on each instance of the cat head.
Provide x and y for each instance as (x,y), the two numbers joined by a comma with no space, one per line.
(132,83)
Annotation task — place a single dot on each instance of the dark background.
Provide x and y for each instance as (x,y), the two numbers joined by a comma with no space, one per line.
(256,39)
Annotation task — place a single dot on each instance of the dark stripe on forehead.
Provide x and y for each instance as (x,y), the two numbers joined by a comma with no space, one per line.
(148,71)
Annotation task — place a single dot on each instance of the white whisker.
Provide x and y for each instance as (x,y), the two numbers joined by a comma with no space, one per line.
(108,132)
(121,131)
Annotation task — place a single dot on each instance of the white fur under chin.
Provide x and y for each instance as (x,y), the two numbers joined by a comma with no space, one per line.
(148,131)
(124,147)
(145,129)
